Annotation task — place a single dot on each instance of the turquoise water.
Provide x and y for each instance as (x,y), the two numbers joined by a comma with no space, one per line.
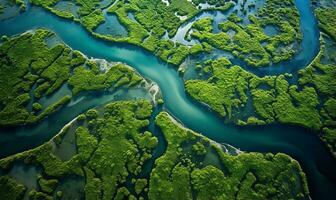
(300,143)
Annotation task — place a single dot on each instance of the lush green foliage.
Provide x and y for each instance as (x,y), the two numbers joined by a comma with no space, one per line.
(27,61)
(31,70)
(111,148)
(309,103)
(327,21)
(10,189)
(89,12)
(322,76)
(249,42)
(84,79)
(153,19)
(230,88)
(92,20)
(246,176)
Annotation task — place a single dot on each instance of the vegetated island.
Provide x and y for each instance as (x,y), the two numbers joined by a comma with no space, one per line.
(148,22)
(31,69)
(306,98)
(104,154)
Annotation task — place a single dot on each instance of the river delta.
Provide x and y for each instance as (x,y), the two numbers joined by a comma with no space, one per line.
(192,99)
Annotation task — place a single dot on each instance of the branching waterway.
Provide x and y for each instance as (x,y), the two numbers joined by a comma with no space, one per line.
(300,143)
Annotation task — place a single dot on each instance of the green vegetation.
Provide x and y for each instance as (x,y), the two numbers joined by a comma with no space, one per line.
(219,92)
(48,186)
(155,18)
(230,88)
(145,31)
(199,148)
(321,77)
(92,20)
(31,70)
(140,185)
(84,79)
(249,42)
(27,61)
(109,149)
(246,176)
(89,12)
(10,189)
(327,21)
(112,148)
(113,143)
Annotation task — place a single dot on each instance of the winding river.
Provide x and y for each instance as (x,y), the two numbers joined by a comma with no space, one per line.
(300,143)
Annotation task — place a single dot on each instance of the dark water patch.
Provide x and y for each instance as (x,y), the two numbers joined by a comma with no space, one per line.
(64,90)
(72,187)
(112,27)
(52,41)
(247,110)
(329,54)
(10,10)
(271,30)
(244,8)
(68,6)
(26,175)
(66,149)
(29,107)
(211,158)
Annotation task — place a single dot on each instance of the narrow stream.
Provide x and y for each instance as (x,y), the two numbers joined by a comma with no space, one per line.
(299,143)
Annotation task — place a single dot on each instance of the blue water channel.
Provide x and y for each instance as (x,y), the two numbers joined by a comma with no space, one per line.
(300,143)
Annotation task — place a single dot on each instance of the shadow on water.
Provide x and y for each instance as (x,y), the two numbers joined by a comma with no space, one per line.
(300,143)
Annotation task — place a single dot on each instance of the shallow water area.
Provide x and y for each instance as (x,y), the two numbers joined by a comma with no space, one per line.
(26,175)
(72,187)
(271,30)
(112,27)
(9,10)
(59,94)
(67,6)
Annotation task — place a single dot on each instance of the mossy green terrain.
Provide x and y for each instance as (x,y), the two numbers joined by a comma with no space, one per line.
(183,172)
(308,101)
(113,146)
(249,42)
(155,18)
(327,20)
(31,70)
(230,88)
(110,148)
